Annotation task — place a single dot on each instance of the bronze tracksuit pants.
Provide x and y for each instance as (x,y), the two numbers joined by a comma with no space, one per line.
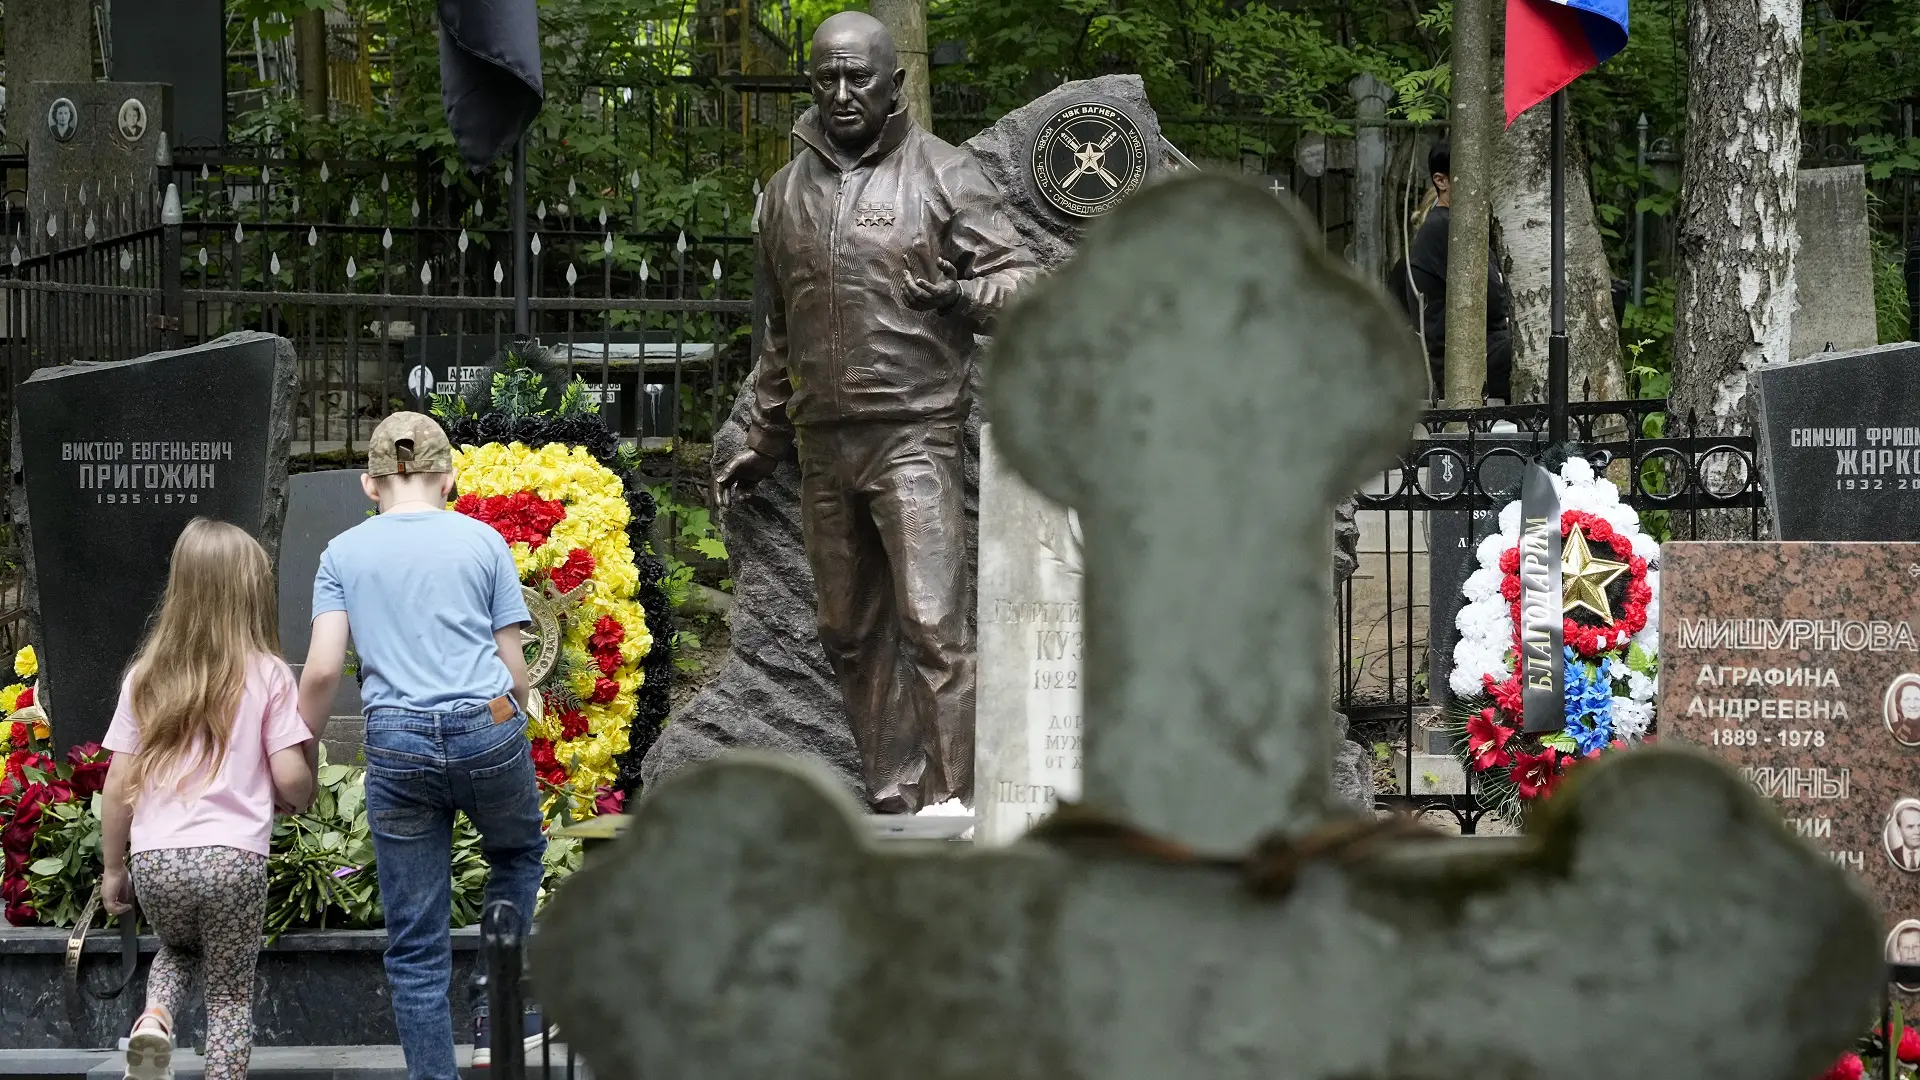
(883,514)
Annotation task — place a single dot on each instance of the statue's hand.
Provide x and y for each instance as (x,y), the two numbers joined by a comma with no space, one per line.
(924,295)
(740,474)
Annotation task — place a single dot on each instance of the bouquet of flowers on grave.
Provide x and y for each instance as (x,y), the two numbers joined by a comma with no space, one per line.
(1610,608)
(536,462)
(43,876)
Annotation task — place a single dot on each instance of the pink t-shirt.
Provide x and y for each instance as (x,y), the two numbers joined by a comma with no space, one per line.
(236,809)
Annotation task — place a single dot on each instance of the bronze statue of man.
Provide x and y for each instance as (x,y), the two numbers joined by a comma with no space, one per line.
(885,251)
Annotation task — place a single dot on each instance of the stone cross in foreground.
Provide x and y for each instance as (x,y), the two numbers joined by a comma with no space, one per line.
(1202,382)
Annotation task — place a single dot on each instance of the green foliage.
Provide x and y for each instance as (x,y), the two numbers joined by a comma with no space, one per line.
(1204,56)
(1890,311)
(68,866)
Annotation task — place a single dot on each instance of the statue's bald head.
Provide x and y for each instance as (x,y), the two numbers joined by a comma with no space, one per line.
(856,78)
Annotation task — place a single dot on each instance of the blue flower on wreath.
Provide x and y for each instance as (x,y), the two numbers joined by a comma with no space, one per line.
(1589,704)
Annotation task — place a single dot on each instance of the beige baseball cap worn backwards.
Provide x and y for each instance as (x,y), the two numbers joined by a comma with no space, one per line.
(407,443)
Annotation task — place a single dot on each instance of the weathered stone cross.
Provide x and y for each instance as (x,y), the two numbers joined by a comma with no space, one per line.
(1202,382)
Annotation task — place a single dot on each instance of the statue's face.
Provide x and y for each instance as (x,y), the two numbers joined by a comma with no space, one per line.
(853,87)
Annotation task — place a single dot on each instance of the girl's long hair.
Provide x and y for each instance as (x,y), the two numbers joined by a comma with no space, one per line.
(219,612)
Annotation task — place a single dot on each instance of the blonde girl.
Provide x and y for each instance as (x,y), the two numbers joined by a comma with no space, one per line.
(206,739)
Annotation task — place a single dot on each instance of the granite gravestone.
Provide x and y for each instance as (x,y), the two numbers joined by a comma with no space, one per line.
(1797,663)
(1833,266)
(320,506)
(113,460)
(91,135)
(1840,444)
(1453,538)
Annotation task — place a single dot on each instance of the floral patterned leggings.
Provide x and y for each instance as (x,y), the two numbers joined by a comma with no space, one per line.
(208,905)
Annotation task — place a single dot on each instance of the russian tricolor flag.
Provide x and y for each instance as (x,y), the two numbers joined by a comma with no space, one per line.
(1550,43)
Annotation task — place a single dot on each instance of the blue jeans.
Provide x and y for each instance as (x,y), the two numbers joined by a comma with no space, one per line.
(421,768)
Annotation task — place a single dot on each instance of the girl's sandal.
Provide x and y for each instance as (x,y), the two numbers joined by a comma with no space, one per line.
(150,1047)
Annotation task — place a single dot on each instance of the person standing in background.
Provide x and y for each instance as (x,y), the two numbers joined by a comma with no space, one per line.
(1419,282)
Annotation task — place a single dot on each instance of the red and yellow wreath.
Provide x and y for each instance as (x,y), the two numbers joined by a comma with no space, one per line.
(564,515)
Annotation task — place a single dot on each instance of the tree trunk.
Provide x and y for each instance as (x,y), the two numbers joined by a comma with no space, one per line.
(1471,162)
(907,21)
(1736,235)
(310,55)
(1522,211)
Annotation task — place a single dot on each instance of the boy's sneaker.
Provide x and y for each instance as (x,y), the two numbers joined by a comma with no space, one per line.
(482,1039)
(150,1047)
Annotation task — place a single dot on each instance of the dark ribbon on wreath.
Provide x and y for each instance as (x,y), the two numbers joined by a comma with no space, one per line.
(1542,670)
(76,991)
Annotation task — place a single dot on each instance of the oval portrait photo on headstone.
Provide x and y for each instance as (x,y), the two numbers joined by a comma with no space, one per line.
(132,119)
(1902,709)
(1087,158)
(63,119)
(1903,947)
(1900,836)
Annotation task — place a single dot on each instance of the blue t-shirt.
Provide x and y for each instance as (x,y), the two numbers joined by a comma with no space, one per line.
(424,593)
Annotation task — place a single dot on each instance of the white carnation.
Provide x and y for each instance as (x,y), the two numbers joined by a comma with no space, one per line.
(1482,584)
(1631,718)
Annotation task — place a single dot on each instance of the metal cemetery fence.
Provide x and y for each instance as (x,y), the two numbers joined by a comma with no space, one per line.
(387,289)
(1465,464)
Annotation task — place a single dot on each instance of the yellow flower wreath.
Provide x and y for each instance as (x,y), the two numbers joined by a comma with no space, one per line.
(595,522)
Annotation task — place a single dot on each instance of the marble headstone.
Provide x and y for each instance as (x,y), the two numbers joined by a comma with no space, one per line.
(320,506)
(113,460)
(1840,444)
(1833,266)
(1028,729)
(1797,664)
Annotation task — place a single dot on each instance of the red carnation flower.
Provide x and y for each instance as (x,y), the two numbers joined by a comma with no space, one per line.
(609,662)
(607,634)
(604,691)
(26,699)
(1910,1046)
(573,724)
(468,505)
(1487,741)
(1510,561)
(1507,696)
(1849,1067)
(568,575)
(1534,774)
(18,738)
(521,517)
(543,751)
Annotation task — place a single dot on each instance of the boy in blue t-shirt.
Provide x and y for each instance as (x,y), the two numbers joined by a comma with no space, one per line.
(433,602)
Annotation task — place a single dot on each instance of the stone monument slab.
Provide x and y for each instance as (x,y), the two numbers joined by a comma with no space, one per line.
(1453,540)
(100,134)
(1796,663)
(1840,444)
(320,506)
(112,460)
(1027,737)
(1833,267)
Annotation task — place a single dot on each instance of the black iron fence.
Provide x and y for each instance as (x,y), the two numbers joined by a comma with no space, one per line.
(1418,526)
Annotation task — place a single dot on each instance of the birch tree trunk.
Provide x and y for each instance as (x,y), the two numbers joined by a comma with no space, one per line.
(1737,235)
(1522,213)
(1467,227)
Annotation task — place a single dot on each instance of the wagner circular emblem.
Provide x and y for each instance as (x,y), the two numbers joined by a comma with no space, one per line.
(1088,157)
(541,637)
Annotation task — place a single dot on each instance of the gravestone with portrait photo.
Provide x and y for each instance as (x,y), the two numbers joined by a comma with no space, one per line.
(104,135)
(1799,665)
(112,460)
(1840,444)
